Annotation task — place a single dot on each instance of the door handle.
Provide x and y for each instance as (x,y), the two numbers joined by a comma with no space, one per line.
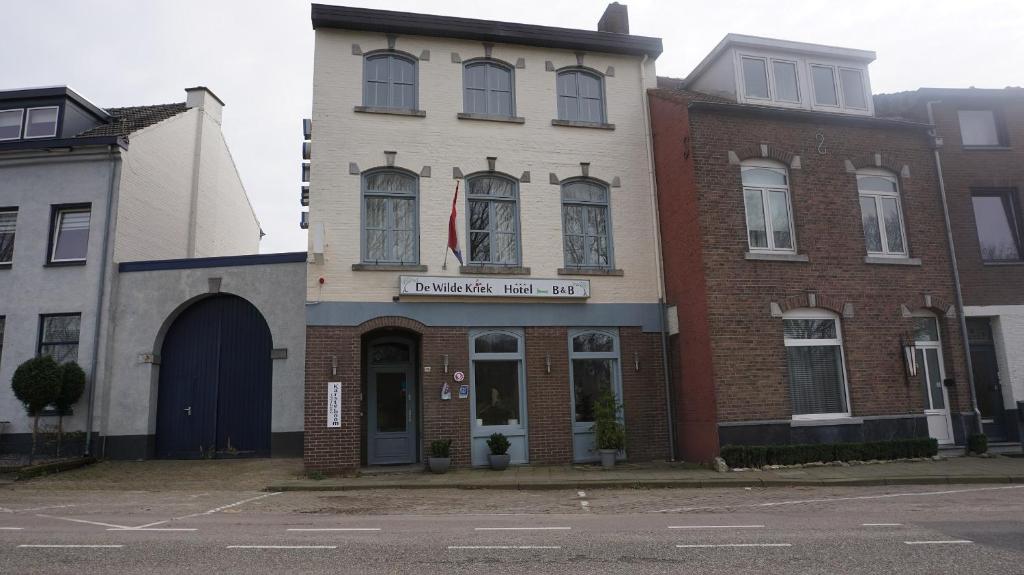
(188,411)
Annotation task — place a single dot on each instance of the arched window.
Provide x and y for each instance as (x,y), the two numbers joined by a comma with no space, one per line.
(814,357)
(769,215)
(881,214)
(493,219)
(488,88)
(586,226)
(390,217)
(580,96)
(498,384)
(389,81)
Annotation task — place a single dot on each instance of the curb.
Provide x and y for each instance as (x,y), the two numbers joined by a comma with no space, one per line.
(662,483)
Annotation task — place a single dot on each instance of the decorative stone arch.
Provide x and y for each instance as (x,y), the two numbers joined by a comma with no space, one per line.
(767,152)
(939,305)
(812,300)
(391,322)
(878,160)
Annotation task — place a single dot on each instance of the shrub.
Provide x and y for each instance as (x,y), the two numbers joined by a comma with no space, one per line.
(498,444)
(977,443)
(36,384)
(761,455)
(441,448)
(608,432)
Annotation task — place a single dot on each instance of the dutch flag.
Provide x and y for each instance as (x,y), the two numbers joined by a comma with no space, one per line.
(453,233)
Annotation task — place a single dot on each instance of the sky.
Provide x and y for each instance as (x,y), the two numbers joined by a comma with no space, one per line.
(257,56)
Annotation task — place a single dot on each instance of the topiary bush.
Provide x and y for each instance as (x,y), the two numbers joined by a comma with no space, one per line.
(977,443)
(760,455)
(36,384)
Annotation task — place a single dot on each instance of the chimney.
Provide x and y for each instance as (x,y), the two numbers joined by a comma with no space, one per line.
(203,98)
(615,19)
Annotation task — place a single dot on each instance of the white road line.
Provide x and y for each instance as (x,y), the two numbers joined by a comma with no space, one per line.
(99,523)
(581,493)
(705,546)
(209,512)
(881,525)
(949,542)
(282,546)
(43,508)
(715,526)
(11,528)
(522,528)
(154,529)
(462,547)
(832,499)
(334,529)
(73,546)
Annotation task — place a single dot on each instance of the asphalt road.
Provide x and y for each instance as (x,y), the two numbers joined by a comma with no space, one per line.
(964,529)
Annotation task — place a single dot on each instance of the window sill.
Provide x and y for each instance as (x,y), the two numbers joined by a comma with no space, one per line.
(495,270)
(391,111)
(5,266)
(892,261)
(64,264)
(759,256)
(590,272)
(838,420)
(575,124)
(388,268)
(491,118)
(1003,263)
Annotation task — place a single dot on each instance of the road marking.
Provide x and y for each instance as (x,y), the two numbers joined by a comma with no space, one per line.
(154,529)
(282,546)
(43,508)
(11,528)
(715,526)
(522,528)
(209,512)
(704,546)
(73,546)
(828,500)
(99,523)
(462,547)
(881,524)
(949,542)
(583,503)
(334,529)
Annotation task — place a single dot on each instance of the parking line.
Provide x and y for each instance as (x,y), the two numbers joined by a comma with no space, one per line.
(704,546)
(881,524)
(522,528)
(946,542)
(98,523)
(715,526)
(471,547)
(72,546)
(334,529)
(11,528)
(282,546)
(154,529)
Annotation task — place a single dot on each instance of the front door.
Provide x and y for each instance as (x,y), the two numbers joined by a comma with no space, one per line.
(931,371)
(594,369)
(987,387)
(391,404)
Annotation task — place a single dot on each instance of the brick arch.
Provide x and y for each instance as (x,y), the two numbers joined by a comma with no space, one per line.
(879,160)
(936,304)
(765,151)
(391,321)
(812,300)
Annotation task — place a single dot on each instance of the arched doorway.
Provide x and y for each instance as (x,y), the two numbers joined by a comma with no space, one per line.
(214,393)
(392,400)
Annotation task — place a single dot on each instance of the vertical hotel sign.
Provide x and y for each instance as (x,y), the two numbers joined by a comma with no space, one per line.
(334,404)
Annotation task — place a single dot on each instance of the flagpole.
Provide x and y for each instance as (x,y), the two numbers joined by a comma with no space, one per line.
(444,264)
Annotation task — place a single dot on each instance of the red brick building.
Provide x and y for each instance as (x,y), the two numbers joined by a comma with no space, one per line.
(983,171)
(805,256)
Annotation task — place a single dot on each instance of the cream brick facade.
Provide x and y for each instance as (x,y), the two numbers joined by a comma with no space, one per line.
(442,142)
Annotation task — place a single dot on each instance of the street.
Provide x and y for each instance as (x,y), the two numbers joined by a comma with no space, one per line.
(909,529)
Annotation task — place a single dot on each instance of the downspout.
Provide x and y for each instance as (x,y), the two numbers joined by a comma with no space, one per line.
(662,307)
(98,317)
(956,274)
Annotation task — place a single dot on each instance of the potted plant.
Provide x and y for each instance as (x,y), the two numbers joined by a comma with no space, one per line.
(609,433)
(499,456)
(440,455)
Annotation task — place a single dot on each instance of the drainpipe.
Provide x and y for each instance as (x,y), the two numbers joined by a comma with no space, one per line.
(956,273)
(662,307)
(98,318)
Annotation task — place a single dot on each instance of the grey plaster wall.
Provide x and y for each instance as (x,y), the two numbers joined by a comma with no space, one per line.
(145,305)
(30,287)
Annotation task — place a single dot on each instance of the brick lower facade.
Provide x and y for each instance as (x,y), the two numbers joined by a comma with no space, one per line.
(548,401)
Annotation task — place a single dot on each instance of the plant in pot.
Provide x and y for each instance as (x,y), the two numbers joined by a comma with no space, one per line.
(499,456)
(609,434)
(440,455)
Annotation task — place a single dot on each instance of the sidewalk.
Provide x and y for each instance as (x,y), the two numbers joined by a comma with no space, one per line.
(951,471)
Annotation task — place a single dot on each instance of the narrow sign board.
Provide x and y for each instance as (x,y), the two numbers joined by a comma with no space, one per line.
(334,404)
(493,287)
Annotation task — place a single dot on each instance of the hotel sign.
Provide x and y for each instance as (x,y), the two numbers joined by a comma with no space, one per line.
(493,287)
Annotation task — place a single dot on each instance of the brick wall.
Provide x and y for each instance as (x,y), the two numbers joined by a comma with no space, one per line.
(548,399)
(747,351)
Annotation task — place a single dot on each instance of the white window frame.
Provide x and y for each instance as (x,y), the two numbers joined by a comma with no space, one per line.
(15,212)
(769,62)
(765,194)
(863,88)
(21,123)
(767,77)
(772,85)
(817,313)
(837,83)
(56,233)
(1000,143)
(519,428)
(877,197)
(25,122)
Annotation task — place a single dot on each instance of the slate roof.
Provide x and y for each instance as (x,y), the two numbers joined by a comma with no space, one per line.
(134,118)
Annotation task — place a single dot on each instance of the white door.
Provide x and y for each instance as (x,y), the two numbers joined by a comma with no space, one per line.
(931,372)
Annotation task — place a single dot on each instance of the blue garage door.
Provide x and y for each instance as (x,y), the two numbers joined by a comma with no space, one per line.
(215,373)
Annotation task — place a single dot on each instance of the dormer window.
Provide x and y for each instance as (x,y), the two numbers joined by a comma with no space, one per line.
(781,75)
(41,122)
(848,92)
(10,124)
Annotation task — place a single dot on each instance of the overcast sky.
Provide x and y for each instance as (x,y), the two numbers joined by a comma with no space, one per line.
(258,57)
